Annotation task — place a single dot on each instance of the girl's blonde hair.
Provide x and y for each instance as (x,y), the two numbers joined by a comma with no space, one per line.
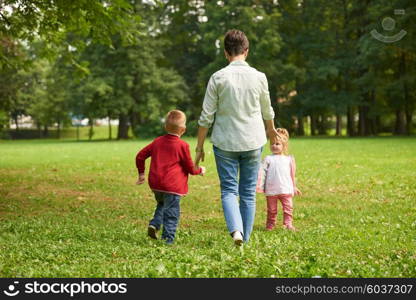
(283,137)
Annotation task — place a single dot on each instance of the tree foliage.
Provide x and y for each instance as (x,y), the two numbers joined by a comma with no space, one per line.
(135,60)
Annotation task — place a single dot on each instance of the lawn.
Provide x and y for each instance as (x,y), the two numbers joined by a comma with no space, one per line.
(72,209)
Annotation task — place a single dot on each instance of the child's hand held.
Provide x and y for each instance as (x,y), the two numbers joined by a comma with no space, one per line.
(141,179)
(203,170)
(199,156)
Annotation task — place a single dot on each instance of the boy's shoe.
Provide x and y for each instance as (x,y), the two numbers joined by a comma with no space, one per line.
(167,242)
(238,238)
(151,232)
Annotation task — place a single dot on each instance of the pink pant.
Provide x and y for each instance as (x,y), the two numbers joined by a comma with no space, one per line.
(287,205)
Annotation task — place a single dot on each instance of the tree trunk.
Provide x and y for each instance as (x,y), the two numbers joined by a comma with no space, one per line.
(123,127)
(350,121)
(338,126)
(409,120)
(363,21)
(59,130)
(45,131)
(313,124)
(373,126)
(321,125)
(16,121)
(407,101)
(110,137)
(77,132)
(91,131)
(377,124)
(367,121)
(363,121)
(39,128)
(134,121)
(301,127)
(400,126)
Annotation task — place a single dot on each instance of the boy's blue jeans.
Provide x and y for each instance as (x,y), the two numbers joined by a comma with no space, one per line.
(238,216)
(167,213)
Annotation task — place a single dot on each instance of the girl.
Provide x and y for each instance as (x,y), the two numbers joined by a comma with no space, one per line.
(277,181)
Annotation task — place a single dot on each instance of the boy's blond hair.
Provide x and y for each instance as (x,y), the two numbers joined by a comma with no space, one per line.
(175,120)
(283,137)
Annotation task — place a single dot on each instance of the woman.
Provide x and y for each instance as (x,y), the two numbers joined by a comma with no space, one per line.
(238,97)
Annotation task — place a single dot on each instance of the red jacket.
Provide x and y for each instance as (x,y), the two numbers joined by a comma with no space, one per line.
(170,164)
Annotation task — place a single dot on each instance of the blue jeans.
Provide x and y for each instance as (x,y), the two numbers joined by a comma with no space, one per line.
(238,216)
(167,214)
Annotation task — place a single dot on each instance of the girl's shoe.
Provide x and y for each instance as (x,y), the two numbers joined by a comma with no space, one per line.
(269,227)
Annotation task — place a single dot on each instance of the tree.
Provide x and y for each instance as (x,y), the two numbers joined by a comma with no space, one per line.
(47,96)
(260,22)
(133,82)
(52,21)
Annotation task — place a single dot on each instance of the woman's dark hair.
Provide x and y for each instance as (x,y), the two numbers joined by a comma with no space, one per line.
(235,42)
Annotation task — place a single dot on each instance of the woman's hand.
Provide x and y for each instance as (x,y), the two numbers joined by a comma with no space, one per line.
(272,134)
(271,131)
(199,156)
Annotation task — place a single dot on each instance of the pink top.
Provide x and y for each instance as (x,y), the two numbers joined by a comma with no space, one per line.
(277,175)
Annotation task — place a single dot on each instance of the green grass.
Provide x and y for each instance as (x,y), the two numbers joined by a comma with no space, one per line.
(70,133)
(72,209)
(100,132)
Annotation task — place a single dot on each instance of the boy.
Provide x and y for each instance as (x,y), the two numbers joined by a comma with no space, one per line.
(168,176)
